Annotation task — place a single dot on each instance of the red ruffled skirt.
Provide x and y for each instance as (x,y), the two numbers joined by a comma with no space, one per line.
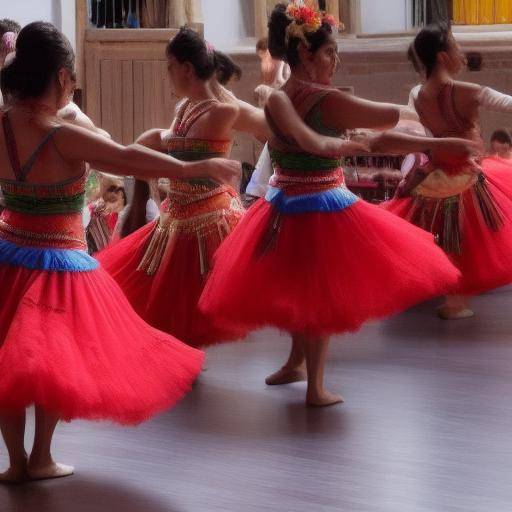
(71,343)
(168,298)
(327,272)
(485,255)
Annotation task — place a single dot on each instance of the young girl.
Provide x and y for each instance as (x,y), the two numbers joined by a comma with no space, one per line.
(162,267)
(70,343)
(466,206)
(322,261)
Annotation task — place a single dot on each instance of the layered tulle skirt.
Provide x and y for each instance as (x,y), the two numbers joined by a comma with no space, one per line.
(162,268)
(71,343)
(322,272)
(474,227)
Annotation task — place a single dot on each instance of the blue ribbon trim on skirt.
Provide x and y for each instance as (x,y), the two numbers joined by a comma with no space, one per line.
(59,260)
(333,200)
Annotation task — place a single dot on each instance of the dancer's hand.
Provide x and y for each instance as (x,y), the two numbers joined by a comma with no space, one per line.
(223,171)
(455,151)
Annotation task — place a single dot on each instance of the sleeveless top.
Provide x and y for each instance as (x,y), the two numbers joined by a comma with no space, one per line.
(304,182)
(195,207)
(437,204)
(451,176)
(41,225)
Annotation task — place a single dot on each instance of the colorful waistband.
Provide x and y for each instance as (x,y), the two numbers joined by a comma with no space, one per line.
(61,231)
(303,162)
(331,200)
(188,149)
(40,199)
(186,201)
(37,258)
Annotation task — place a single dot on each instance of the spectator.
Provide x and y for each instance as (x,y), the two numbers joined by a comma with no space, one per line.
(501,145)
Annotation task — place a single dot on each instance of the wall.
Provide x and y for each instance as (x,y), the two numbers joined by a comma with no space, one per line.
(226,22)
(381,16)
(59,12)
(379,70)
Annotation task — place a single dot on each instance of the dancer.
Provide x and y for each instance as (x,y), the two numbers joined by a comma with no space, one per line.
(322,260)
(466,206)
(9,30)
(105,212)
(274,72)
(70,343)
(162,267)
(141,209)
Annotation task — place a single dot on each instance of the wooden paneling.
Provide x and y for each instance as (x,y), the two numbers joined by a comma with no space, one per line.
(81,25)
(127,90)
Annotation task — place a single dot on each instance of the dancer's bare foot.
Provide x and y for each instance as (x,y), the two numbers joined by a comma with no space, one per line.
(50,470)
(323,399)
(449,313)
(286,376)
(14,475)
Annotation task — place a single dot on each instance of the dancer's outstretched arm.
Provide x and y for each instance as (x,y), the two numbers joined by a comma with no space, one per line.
(78,144)
(401,143)
(288,122)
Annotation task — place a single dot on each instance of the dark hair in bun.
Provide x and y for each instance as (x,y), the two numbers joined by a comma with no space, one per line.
(431,40)
(289,51)
(189,46)
(41,51)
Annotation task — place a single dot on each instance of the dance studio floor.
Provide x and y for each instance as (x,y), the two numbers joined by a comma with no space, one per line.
(426,427)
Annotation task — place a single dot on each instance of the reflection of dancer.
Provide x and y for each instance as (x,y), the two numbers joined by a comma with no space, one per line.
(69,341)
(162,267)
(322,260)
(466,209)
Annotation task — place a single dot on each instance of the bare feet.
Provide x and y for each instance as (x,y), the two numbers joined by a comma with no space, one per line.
(287,376)
(449,313)
(51,470)
(323,399)
(14,475)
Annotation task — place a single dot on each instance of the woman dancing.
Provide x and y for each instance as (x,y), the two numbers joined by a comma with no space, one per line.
(466,206)
(162,267)
(70,343)
(322,260)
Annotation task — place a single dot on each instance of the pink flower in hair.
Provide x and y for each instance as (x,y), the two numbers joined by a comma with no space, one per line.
(209,48)
(8,43)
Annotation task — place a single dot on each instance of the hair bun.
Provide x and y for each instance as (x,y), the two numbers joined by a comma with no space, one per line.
(277,25)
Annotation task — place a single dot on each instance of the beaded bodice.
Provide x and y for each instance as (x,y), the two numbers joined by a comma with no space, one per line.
(197,208)
(295,170)
(190,149)
(46,216)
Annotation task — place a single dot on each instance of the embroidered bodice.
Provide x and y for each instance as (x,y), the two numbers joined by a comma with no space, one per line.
(304,181)
(41,226)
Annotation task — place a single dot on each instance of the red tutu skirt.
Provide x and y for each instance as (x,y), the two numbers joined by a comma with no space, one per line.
(71,343)
(168,299)
(327,272)
(485,255)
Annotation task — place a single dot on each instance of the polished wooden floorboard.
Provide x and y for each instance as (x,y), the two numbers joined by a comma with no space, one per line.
(426,427)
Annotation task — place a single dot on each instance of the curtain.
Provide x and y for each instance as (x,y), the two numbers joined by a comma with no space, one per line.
(154,13)
(418,13)
(482,12)
(503,11)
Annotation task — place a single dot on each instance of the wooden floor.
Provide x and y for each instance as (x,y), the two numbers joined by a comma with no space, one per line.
(427,426)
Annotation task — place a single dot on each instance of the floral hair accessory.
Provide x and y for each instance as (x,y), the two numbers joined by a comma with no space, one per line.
(8,42)
(305,19)
(210,49)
